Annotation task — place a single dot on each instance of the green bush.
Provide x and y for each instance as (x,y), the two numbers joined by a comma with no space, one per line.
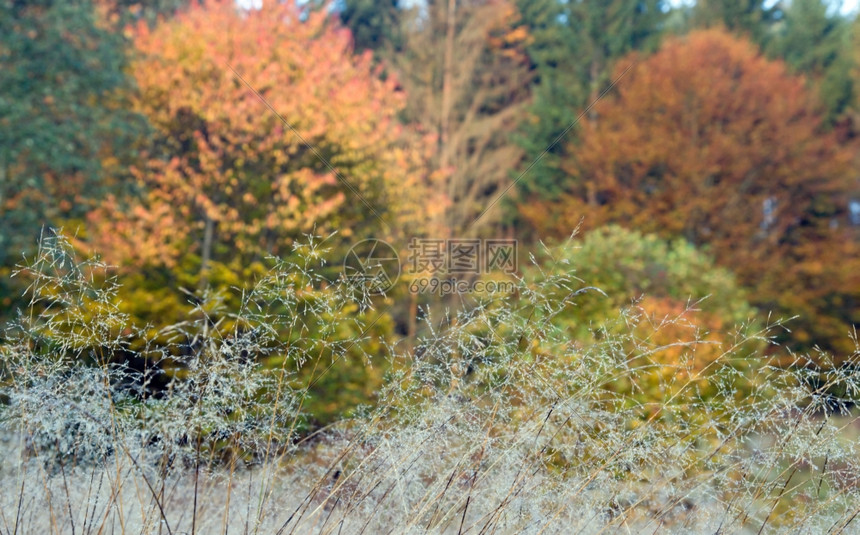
(625,265)
(669,312)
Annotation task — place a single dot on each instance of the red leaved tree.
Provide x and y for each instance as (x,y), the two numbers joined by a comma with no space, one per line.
(709,140)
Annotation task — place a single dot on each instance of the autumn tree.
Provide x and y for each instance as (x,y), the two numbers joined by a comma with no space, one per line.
(268,130)
(710,141)
(268,127)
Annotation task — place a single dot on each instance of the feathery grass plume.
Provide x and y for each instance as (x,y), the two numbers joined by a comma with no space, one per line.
(497,421)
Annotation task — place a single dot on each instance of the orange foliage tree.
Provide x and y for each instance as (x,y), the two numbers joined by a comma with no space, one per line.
(709,140)
(268,126)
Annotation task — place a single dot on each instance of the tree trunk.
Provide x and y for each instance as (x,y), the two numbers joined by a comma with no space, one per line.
(206,253)
(444,123)
(447,82)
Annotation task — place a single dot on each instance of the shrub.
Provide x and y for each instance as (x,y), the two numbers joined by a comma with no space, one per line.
(669,310)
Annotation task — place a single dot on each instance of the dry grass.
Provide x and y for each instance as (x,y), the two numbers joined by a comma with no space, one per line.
(496,422)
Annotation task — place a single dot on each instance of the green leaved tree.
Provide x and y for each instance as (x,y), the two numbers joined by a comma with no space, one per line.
(63,120)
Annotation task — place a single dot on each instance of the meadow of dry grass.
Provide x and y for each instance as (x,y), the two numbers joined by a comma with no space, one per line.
(495,422)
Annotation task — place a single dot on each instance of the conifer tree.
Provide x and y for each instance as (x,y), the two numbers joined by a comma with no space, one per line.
(64,122)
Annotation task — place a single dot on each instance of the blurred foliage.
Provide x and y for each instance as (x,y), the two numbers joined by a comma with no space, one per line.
(227,134)
(125,12)
(375,25)
(573,49)
(679,311)
(753,19)
(625,265)
(815,40)
(66,126)
(710,141)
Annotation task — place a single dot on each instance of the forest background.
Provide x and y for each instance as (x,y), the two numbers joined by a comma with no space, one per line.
(704,149)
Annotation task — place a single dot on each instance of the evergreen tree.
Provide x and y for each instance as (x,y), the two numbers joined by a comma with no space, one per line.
(375,25)
(753,18)
(816,42)
(62,117)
